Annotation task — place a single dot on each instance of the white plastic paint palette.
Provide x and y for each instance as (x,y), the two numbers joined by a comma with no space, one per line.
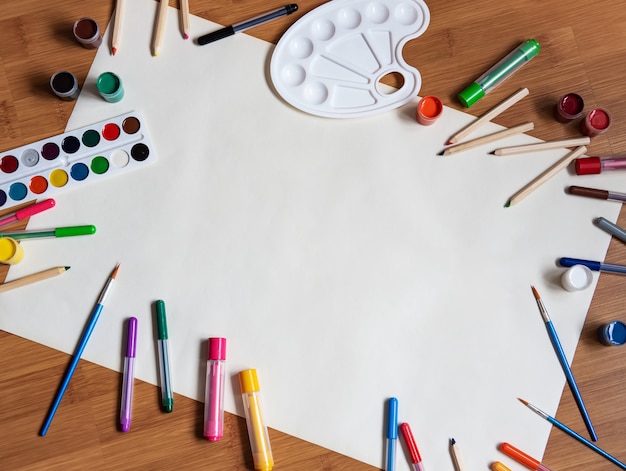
(74,158)
(331,61)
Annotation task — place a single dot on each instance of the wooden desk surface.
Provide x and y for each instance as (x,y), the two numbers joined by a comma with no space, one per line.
(583,50)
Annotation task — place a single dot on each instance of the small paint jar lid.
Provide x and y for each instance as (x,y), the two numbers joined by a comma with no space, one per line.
(597,121)
(429,109)
(569,107)
(10,251)
(613,333)
(576,278)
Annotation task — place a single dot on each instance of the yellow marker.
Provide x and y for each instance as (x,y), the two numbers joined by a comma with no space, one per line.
(257,431)
(497,466)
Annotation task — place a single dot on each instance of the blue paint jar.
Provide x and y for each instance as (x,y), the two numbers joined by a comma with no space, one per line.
(613,333)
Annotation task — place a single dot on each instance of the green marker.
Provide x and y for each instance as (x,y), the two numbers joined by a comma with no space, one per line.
(499,72)
(167,392)
(68,231)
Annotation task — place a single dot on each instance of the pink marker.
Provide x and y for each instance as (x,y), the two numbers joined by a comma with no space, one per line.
(27,212)
(214,392)
(414,453)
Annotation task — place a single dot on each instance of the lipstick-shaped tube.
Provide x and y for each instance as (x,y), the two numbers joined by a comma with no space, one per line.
(128,381)
(257,431)
(214,392)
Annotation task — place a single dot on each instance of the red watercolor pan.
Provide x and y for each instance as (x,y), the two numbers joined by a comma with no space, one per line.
(74,158)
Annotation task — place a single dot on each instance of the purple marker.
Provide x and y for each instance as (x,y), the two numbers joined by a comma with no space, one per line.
(129,375)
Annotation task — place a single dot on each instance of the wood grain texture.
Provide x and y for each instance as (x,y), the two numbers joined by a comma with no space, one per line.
(583,50)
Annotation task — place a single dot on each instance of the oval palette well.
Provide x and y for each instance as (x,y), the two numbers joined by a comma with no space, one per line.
(332,60)
(73,158)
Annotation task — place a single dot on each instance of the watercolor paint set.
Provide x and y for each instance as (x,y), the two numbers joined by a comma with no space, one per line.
(74,158)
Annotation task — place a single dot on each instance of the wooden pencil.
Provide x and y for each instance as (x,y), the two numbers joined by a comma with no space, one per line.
(160,27)
(117,26)
(184,17)
(545,176)
(457,459)
(576,141)
(488,116)
(32,278)
(519,129)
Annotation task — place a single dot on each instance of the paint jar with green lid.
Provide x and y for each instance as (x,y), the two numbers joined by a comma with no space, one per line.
(110,87)
(499,72)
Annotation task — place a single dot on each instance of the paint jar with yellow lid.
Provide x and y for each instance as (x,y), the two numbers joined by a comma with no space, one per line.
(10,251)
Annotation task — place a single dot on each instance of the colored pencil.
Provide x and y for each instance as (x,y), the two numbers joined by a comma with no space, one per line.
(184,17)
(567,370)
(32,278)
(82,343)
(576,141)
(520,128)
(545,176)
(457,459)
(160,27)
(571,433)
(488,116)
(117,26)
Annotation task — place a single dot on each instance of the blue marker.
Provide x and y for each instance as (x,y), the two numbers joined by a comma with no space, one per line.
(392,434)
(595,266)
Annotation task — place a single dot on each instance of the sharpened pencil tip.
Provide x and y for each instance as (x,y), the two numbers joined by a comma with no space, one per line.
(67,268)
(507,204)
(186,36)
(440,153)
(449,143)
(114,51)
(452,441)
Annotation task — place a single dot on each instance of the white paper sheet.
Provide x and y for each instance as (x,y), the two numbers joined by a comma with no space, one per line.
(342,259)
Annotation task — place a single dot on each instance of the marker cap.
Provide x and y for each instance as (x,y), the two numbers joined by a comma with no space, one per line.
(248,381)
(217,348)
(588,166)
(471,95)
(131,342)
(161,320)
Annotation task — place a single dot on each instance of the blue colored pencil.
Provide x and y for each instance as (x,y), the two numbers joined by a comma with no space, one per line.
(82,343)
(554,338)
(571,433)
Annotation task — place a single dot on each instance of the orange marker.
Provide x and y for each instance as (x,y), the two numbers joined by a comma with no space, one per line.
(523,458)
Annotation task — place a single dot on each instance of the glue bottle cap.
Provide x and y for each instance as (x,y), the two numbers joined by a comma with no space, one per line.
(588,166)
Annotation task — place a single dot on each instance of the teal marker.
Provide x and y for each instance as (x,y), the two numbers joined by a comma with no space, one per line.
(167,393)
(68,231)
(499,72)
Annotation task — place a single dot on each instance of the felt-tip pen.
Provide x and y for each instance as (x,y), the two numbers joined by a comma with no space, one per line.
(257,431)
(593,265)
(414,453)
(27,212)
(129,376)
(214,392)
(68,231)
(391,434)
(506,67)
(163,346)
(247,24)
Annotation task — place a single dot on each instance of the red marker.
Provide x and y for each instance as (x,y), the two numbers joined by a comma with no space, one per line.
(414,453)
(523,458)
(27,212)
